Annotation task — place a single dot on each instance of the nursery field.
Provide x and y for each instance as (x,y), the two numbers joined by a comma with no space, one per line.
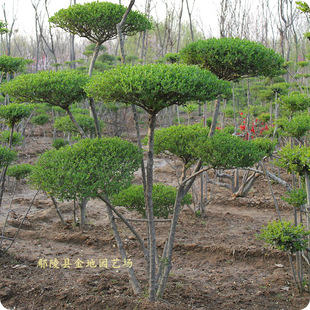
(218,262)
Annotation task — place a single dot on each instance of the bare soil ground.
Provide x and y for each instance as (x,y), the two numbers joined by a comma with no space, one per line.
(218,262)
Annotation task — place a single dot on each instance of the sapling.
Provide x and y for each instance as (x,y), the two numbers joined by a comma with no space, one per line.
(288,237)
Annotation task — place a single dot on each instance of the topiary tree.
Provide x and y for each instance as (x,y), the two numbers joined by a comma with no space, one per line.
(7,138)
(3,28)
(287,237)
(20,171)
(40,119)
(295,102)
(12,114)
(60,89)
(178,140)
(97,21)
(297,126)
(172,58)
(154,87)
(232,59)
(224,151)
(58,143)
(90,168)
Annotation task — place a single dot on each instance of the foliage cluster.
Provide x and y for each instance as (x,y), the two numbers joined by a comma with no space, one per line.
(296,197)
(156,86)
(9,64)
(6,156)
(88,167)
(226,151)
(295,159)
(96,21)
(16,138)
(61,88)
(163,199)
(285,236)
(233,58)
(178,140)
(19,171)
(13,113)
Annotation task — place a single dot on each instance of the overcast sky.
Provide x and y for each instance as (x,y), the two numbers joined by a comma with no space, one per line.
(204,11)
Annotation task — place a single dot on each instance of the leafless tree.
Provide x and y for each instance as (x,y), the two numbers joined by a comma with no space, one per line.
(10,26)
(190,12)
(72,49)
(287,14)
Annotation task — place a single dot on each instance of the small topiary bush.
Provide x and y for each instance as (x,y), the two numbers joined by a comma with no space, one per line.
(285,236)
(163,199)
(19,171)
(58,143)
(17,138)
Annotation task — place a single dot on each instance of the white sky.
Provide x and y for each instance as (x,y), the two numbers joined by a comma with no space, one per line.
(205,11)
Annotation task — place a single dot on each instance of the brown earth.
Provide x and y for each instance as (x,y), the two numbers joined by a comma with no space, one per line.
(218,262)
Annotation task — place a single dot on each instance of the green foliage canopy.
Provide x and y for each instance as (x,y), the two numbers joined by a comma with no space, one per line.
(61,88)
(178,140)
(297,127)
(295,102)
(163,199)
(232,58)
(6,156)
(9,64)
(156,86)
(226,151)
(295,159)
(88,167)
(296,197)
(16,138)
(14,113)
(97,21)
(19,171)
(40,119)
(285,236)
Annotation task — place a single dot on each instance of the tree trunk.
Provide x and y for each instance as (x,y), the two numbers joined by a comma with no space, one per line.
(119,30)
(149,207)
(132,278)
(82,205)
(80,130)
(135,116)
(190,20)
(179,27)
(183,189)
(57,210)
